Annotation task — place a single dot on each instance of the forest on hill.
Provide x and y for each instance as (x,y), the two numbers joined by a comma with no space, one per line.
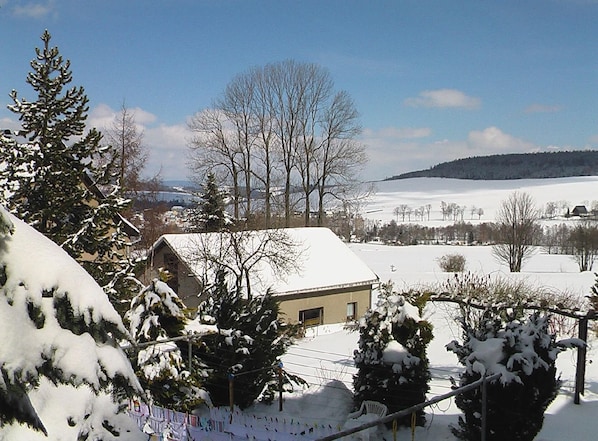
(514,166)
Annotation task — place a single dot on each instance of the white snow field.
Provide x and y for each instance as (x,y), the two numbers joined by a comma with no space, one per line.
(325,356)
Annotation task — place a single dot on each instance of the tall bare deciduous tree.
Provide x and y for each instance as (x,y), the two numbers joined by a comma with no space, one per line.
(212,149)
(127,143)
(517,220)
(281,125)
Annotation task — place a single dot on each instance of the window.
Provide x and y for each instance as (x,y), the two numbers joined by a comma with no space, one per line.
(351,311)
(312,317)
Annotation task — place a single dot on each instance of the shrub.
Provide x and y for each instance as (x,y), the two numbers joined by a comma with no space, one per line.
(452,263)
(248,344)
(391,360)
(524,352)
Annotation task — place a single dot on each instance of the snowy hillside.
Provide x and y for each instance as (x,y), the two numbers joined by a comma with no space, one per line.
(487,195)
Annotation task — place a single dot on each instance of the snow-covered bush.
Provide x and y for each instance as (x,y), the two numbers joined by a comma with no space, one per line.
(452,263)
(524,353)
(157,314)
(391,360)
(61,370)
(248,344)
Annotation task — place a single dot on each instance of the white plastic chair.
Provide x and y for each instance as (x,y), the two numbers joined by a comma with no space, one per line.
(370,407)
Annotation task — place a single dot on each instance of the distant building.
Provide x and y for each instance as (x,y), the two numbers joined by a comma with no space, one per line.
(330,283)
(579,210)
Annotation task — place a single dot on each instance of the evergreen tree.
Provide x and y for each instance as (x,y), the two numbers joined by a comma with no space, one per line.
(391,356)
(156,314)
(524,352)
(210,215)
(248,344)
(62,374)
(58,182)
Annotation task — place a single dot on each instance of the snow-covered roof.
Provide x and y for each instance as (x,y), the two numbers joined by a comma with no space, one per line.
(323,261)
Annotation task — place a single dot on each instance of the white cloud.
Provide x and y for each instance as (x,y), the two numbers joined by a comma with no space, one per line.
(492,140)
(443,98)
(542,108)
(398,132)
(391,155)
(166,144)
(34,10)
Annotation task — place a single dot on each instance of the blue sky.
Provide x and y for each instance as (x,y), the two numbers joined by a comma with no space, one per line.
(432,80)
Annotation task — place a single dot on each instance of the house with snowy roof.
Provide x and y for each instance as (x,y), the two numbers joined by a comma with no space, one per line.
(315,276)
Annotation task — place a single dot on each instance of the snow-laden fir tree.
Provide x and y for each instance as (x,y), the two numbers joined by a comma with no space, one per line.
(56,180)
(391,357)
(248,344)
(61,370)
(524,352)
(157,314)
(210,215)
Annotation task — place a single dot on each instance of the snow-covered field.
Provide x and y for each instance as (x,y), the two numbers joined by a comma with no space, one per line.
(324,357)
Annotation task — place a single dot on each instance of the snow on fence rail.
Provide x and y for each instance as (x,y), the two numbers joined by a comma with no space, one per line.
(168,425)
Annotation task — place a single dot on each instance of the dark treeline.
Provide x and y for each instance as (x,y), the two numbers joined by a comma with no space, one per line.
(555,239)
(514,166)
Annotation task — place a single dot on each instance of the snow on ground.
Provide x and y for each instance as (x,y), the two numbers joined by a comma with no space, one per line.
(325,356)
(487,195)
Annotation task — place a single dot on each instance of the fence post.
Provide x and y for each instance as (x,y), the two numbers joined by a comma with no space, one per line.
(580,369)
(189,342)
(280,386)
(484,407)
(231,394)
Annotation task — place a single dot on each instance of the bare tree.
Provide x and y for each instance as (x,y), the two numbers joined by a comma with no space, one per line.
(237,105)
(127,142)
(339,157)
(282,121)
(584,241)
(517,221)
(241,253)
(212,149)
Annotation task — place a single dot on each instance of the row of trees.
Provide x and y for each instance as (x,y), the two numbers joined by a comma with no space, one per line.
(280,132)
(515,234)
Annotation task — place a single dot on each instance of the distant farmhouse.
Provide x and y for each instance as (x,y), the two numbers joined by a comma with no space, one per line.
(326,283)
(580,210)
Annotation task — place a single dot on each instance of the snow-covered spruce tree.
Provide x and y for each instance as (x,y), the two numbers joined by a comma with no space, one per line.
(54,180)
(61,370)
(524,353)
(210,214)
(156,314)
(391,360)
(249,341)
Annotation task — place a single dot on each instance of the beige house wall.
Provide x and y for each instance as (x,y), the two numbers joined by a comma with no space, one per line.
(333,304)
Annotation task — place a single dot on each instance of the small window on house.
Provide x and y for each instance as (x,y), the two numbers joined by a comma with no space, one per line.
(171,264)
(312,317)
(351,311)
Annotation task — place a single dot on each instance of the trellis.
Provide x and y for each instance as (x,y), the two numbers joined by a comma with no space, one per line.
(582,318)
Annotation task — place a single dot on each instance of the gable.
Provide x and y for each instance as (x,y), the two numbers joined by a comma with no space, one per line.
(323,262)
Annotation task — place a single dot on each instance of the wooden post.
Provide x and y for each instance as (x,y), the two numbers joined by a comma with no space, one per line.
(231,394)
(190,354)
(580,370)
(484,407)
(280,386)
